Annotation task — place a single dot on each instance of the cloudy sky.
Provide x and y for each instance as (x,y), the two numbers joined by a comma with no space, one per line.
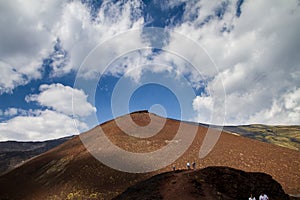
(66,66)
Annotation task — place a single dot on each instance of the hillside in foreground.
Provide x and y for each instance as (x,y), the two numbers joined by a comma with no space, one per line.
(69,171)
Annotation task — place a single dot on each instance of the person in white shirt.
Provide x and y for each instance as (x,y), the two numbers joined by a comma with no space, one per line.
(252,198)
(263,196)
(188,165)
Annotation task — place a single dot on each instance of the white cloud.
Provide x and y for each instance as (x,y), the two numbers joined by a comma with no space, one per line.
(11,111)
(292,100)
(9,78)
(79,34)
(40,125)
(256,53)
(284,110)
(203,105)
(25,39)
(64,99)
(54,122)
(257,57)
(30,32)
(31,29)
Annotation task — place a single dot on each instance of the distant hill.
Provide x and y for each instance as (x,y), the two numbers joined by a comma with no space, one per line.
(69,171)
(209,183)
(13,153)
(285,136)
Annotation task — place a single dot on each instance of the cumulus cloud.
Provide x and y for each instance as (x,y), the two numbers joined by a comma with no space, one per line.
(284,110)
(31,30)
(14,111)
(59,119)
(80,32)
(256,55)
(9,78)
(40,125)
(65,32)
(26,38)
(9,113)
(292,100)
(203,105)
(64,99)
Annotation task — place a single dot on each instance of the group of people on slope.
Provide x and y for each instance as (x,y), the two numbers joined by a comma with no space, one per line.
(188,165)
(263,196)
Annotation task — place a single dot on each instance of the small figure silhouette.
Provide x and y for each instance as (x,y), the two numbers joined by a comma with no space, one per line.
(174,168)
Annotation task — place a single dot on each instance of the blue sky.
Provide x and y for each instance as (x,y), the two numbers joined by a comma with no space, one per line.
(67,66)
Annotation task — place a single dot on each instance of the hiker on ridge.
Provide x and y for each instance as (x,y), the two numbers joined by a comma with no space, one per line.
(188,165)
(263,196)
(252,198)
(174,167)
(194,165)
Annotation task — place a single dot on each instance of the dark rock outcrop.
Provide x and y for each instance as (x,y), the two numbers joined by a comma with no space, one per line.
(209,183)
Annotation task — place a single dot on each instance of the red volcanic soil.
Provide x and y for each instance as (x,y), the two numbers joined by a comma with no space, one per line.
(70,171)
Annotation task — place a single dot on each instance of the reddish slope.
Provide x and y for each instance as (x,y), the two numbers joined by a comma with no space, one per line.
(70,170)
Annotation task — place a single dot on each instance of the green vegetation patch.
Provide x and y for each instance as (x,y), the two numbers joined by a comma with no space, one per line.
(285,136)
